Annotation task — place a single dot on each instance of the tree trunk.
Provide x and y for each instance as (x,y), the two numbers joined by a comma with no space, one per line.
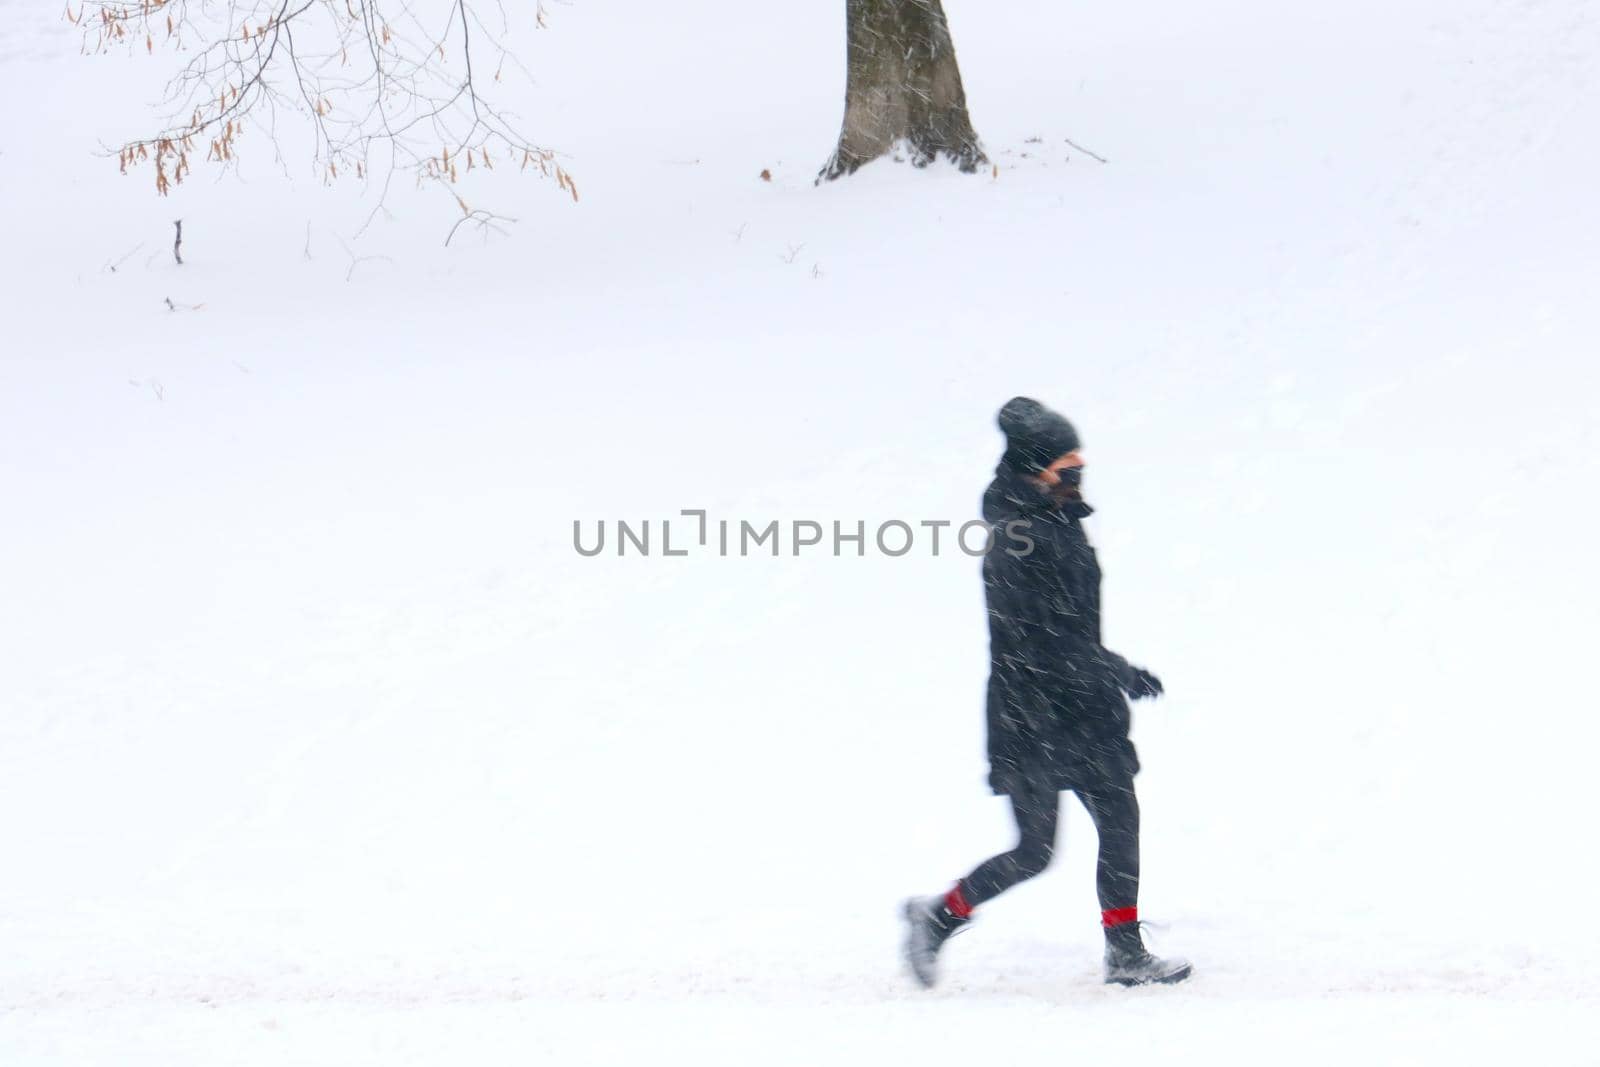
(903,87)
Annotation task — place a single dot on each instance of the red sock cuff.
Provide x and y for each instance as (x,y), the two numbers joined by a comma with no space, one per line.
(956,902)
(1117,916)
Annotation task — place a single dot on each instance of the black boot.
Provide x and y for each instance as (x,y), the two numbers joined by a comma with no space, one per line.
(930,925)
(1127,962)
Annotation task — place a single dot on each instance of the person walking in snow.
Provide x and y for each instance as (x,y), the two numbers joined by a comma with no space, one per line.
(1057,702)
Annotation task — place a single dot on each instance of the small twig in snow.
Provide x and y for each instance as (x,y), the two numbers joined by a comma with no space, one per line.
(177,241)
(1084,150)
(114,264)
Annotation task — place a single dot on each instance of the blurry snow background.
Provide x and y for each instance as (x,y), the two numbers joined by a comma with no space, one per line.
(320,744)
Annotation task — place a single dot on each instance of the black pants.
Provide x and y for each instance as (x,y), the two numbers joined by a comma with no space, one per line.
(1115,811)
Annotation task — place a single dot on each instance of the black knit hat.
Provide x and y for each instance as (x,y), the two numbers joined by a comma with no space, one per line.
(1035,436)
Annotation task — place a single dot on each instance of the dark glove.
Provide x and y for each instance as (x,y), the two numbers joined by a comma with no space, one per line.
(1139,683)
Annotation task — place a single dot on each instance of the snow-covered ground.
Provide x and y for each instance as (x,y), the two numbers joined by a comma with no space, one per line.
(320,744)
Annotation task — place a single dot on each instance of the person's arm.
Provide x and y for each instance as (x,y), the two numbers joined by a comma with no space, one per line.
(1092,658)
(1135,681)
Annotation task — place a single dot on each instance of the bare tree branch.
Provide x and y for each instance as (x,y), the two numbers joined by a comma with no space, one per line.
(371,83)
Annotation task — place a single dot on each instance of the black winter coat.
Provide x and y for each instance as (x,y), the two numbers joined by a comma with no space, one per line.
(1058,718)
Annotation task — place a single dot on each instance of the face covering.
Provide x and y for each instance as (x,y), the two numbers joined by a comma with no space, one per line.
(1068,488)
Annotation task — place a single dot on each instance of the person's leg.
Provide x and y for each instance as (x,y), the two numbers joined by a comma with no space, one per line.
(1035,813)
(932,920)
(1115,810)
